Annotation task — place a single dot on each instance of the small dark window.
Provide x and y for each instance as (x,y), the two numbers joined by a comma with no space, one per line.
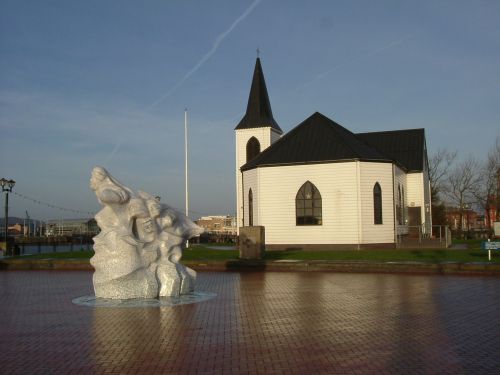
(308,205)
(250,208)
(377,204)
(253,148)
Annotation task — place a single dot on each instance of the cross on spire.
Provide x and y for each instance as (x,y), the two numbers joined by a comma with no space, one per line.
(258,52)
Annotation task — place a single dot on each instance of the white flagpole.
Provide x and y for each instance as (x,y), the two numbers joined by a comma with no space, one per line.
(186,165)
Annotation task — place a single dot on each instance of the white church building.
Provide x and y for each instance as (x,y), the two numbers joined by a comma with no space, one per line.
(321,186)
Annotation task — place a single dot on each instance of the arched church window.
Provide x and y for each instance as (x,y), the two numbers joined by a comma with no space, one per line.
(250,208)
(377,204)
(308,205)
(253,148)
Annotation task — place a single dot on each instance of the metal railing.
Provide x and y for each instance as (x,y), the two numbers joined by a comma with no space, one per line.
(419,235)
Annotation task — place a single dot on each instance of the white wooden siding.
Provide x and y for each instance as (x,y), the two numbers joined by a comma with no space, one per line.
(277,190)
(419,195)
(400,180)
(275,136)
(372,173)
(415,193)
(265,136)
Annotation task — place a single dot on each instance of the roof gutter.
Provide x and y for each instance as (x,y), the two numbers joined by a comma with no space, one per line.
(245,168)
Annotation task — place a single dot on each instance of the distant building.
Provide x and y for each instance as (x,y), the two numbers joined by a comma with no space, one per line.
(71,227)
(218,224)
(16,229)
(471,220)
(492,211)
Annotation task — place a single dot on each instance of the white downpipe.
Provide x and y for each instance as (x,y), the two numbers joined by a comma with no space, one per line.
(358,183)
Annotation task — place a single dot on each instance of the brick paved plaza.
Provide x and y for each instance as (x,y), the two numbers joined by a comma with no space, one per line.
(259,323)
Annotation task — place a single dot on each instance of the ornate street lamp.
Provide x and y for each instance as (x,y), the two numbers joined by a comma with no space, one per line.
(7,186)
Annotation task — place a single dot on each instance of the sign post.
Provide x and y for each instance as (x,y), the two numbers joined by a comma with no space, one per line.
(491,246)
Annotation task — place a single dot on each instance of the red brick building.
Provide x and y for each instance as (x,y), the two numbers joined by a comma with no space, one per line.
(471,220)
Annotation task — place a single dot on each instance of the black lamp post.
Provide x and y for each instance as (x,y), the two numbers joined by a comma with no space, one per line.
(7,186)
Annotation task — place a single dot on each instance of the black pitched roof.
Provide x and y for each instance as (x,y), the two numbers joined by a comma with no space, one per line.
(316,139)
(407,147)
(259,113)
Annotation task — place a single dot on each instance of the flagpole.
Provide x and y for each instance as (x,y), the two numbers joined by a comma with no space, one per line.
(186,166)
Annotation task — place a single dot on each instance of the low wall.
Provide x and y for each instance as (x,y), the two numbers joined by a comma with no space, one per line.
(237,265)
(317,247)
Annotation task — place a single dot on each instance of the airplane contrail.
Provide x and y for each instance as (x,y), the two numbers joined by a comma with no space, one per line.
(209,54)
(370,54)
(220,38)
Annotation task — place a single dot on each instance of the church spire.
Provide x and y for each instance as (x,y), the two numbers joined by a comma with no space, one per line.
(259,113)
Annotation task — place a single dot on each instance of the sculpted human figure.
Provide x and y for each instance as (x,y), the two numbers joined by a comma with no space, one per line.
(138,250)
(148,231)
(178,228)
(119,270)
(175,228)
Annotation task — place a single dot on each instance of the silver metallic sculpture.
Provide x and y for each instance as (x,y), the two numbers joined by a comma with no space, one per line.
(138,250)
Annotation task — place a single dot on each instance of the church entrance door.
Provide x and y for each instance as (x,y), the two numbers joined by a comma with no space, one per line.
(414,221)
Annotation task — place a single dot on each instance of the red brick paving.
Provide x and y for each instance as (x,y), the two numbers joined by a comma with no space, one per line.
(260,323)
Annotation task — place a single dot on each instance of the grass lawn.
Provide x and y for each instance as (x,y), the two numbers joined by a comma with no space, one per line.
(393,255)
(199,252)
(471,244)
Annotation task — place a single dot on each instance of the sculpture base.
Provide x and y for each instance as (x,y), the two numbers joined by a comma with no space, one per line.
(184,299)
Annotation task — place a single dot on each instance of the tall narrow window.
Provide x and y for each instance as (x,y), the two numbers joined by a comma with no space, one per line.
(403,216)
(398,207)
(253,148)
(250,208)
(377,204)
(308,205)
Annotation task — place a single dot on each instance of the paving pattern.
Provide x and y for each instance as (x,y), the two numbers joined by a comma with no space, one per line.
(259,323)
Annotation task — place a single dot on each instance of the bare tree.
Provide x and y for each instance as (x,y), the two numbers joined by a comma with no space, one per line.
(488,195)
(463,181)
(440,164)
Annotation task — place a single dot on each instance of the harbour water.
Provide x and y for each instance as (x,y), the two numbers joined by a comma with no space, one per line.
(52,248)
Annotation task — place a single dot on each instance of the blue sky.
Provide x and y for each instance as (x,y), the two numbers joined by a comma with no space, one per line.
(85,83)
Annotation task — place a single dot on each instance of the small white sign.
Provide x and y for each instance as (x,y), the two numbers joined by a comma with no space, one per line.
(492,245)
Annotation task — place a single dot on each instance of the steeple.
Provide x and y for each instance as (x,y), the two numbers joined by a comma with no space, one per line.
(259,113)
